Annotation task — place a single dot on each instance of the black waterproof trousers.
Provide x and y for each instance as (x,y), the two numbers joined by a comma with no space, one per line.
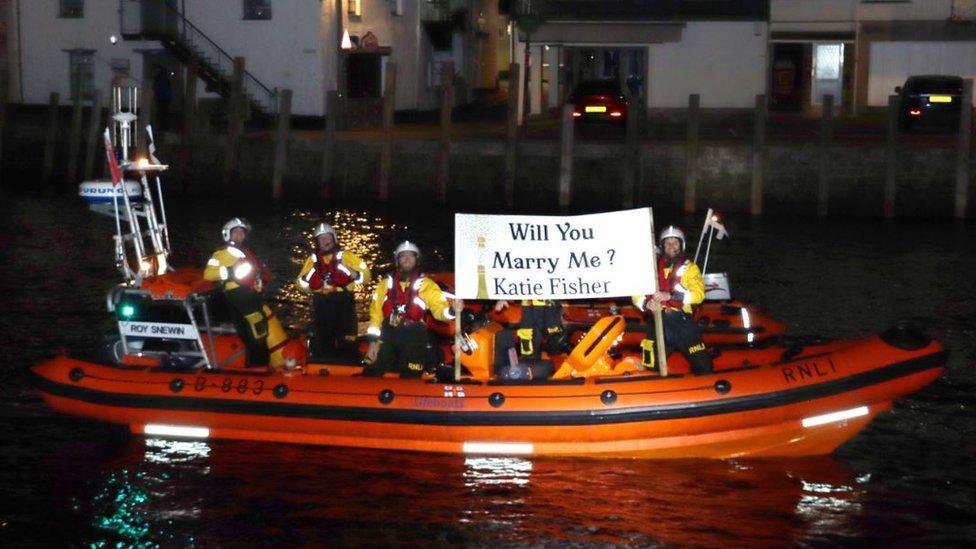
(541,328)
(682,334)
(405,349)
(335,325)
(247,313)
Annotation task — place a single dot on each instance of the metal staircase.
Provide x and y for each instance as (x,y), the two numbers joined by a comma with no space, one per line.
(161,20)
(440,19)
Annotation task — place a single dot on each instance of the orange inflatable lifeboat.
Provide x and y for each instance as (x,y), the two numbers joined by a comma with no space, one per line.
(772,400)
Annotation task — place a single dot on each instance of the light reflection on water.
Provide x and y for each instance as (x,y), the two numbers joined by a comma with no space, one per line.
(191,493)
(143,503)
(826,507)
(488,471)
(175,451)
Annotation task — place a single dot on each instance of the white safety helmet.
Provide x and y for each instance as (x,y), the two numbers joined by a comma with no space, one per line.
(406,246)
(233,224)
(672,232)
(325,228)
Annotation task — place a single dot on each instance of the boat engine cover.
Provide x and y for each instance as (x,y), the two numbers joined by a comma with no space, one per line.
(526,370)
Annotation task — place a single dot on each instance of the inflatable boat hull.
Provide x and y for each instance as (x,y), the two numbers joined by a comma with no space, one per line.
(807,404)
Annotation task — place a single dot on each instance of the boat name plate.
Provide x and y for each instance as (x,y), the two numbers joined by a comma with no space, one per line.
(162,330)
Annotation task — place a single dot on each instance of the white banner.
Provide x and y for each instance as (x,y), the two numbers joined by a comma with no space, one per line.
(157,330)
(545,257)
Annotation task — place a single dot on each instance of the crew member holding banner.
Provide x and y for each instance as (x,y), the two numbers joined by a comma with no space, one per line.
(242,276)
(680,287)
(332,276)
(540,328)
(396,318)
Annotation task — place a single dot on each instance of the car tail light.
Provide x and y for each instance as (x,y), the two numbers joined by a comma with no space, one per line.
(915,112)
(577,114)
(616,114)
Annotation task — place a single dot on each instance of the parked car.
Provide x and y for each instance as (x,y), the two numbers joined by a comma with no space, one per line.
(931,101)
(599,101)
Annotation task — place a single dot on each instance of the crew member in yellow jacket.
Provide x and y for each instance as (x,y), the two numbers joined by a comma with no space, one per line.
(241,275)
(680,287)
(396,318)
(332,275)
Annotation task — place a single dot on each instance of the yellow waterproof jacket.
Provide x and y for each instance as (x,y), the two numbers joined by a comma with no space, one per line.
(685,283)
(235,267)
(310,280)
(428,296)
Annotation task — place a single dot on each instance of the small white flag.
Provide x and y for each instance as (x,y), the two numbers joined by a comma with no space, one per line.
(720,231)
(152,146)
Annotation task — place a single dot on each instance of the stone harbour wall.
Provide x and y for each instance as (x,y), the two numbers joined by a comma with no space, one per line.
(925,177)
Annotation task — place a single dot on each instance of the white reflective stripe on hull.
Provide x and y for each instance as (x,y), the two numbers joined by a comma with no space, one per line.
(176,431)
(835,416)
(498,448)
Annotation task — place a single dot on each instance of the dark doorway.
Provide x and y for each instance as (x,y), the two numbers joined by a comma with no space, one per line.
(787,84)
(364,76)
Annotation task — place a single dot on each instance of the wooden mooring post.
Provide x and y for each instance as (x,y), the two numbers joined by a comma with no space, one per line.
(189,118)
(386,153)
(691,153)
(148,116)
(511,133)
(4,79)
(51,138)
(74,137)
(632,154)
(282,139)
(891,157)
(824,168)
(758,156)
(327,181)
(236,112)
(566,157)
(963,149)
(94,129)
(444,151)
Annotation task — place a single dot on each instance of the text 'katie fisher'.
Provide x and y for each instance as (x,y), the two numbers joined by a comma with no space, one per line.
(557,285)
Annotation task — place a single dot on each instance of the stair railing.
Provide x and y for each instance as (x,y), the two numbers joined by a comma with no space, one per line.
(210,52)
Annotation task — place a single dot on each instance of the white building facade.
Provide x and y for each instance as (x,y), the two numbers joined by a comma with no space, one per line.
(663,51)
(67,45)
(859,50)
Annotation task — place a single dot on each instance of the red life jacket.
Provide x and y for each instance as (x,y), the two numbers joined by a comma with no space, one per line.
(331,272)
(668,283)
(259,271)
(407,305)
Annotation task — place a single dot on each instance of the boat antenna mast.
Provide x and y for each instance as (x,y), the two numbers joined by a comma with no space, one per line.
(142,233)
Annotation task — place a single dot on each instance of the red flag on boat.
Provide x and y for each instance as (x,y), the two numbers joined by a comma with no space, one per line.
(113,163)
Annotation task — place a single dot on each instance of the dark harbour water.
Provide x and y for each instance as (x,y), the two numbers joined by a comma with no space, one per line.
(907,480)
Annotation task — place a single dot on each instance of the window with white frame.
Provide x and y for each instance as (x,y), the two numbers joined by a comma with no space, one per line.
(73,9)
(257,9)
(82,73)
